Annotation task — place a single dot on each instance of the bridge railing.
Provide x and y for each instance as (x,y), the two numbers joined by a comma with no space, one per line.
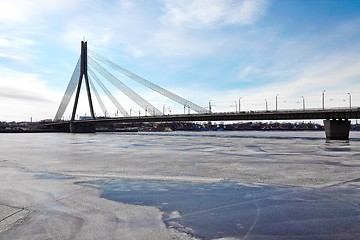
(245,113)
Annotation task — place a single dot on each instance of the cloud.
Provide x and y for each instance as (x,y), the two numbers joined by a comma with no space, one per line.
(24,94)
(178,30)
(15,48)
(246,73)
(22,11)
(209,13)
(213,45)
(10,56)
(131,28)
(335,72)
(10,11)
(119,23)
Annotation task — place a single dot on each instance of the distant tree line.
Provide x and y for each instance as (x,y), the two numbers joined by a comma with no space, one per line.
(187,126)
(193,126)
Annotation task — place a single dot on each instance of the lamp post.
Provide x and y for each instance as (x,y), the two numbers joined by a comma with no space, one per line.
(239,105)
(349,100)
(276,102)
(303,103)
(210,106)
(266,105)
(323,100)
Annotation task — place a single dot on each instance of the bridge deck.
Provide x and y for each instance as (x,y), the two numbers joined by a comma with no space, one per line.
(242,116)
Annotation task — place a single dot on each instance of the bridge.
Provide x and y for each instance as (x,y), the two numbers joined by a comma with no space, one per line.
(336,121)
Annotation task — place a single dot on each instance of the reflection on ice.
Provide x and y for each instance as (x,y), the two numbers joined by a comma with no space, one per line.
(229,209)
(45,175)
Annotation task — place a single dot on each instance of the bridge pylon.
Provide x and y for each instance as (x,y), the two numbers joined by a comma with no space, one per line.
(83,75)
(83,127)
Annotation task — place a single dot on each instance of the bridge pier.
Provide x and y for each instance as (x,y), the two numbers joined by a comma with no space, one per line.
(82,127)
(337,129)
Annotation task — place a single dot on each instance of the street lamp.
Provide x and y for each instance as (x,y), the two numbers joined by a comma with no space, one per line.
(266,105)
(210,106)
(276,102)
(239,104)
(323,100)
(303,102)
(350,100)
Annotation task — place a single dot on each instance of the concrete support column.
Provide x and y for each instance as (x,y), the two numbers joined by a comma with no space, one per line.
(82,127)
(337,129)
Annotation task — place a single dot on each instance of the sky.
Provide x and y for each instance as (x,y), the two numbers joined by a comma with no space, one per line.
(218,52)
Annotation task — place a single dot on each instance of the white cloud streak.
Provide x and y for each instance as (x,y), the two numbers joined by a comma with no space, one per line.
(24,94)
(210,13)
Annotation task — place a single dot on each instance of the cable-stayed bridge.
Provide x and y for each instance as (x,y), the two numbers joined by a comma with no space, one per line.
(89,66)
(92,67)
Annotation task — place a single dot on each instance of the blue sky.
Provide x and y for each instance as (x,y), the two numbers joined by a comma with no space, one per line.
(202,50)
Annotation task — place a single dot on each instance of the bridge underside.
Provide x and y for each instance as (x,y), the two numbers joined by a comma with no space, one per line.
(82,127)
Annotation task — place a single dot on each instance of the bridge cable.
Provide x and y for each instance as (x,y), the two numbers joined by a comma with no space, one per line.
(69,92)
(162,91)
(125,89)
(101,103)
(107,92)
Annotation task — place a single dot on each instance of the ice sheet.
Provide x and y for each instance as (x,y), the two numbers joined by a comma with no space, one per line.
(300,159)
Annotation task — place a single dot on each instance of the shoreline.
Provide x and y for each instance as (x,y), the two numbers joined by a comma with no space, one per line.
(131,130)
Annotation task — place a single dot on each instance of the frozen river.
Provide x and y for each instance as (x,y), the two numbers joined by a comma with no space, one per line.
(179,185)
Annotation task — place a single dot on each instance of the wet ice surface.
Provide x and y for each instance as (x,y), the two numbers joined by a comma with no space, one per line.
(299,185)
(229,209)
(51,176)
